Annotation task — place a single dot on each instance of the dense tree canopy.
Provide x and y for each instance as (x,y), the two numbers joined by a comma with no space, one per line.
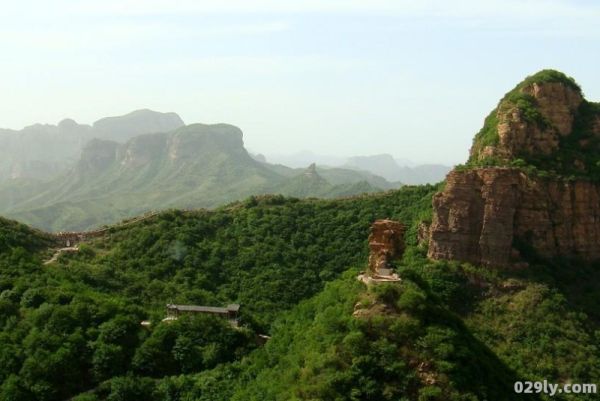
(448,331)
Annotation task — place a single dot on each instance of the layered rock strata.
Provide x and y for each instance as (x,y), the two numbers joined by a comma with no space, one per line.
(484,214)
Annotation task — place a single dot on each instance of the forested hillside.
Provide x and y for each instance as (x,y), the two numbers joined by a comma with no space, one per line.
(74,325)
(449,331)
(87,323)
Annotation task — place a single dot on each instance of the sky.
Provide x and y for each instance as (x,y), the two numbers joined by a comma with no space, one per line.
(341,77)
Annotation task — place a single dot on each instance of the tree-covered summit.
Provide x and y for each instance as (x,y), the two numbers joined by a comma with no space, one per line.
(544,124)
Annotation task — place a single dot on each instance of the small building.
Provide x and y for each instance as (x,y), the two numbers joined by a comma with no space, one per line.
(230,312)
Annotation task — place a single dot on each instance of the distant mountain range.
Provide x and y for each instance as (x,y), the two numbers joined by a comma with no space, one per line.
(384,165)
(74,176)
(389,168)
(42,151)
(158,163)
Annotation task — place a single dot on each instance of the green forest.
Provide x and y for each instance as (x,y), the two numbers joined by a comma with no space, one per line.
(449,331)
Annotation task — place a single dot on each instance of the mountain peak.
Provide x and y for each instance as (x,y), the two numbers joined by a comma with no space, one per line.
(549,76)
(531,182)
(541,117)
(311,171)
(67,124)
(190,141)
(138,122)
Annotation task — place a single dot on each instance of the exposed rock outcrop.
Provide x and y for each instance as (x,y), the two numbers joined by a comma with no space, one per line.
(142,150)
(557,102)
(186,142)
(311,171)
(485,214)
(531,119)
(386,242)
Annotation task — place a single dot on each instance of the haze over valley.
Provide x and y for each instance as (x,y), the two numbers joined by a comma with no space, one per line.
(75,176)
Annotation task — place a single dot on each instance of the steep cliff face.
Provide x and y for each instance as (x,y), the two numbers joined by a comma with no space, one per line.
(484,214)
(189,142)
(142,150)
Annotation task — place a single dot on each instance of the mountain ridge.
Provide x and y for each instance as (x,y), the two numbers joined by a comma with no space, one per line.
(42,151)
(194,166)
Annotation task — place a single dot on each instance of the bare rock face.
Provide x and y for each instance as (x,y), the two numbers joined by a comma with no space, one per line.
(187,142)
(557,102)
(536,128)
(141,150)
(386,242)
(517,135)
(482,213)
(485,214)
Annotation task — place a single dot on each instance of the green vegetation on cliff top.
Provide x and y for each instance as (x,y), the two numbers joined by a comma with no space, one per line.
(488,135)
(572,160)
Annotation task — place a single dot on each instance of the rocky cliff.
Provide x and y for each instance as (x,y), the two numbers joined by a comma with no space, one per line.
(185,145)
(386,242)
(531,182)
(484,214)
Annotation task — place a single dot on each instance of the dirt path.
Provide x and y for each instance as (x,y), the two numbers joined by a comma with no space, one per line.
(60,251)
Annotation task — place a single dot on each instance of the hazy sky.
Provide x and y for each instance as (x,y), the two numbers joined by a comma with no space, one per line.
(410,78)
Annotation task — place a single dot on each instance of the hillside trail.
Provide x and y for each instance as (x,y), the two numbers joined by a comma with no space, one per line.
(59,252)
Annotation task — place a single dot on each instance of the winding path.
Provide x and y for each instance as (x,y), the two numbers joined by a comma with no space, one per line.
(59,252)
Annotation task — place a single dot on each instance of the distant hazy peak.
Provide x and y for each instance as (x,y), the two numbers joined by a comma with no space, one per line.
(67,123)
(311,171)
(381,164)
(259,157)
(214,128)
(187,141)
(122,128)
(142,114)
(380,157)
